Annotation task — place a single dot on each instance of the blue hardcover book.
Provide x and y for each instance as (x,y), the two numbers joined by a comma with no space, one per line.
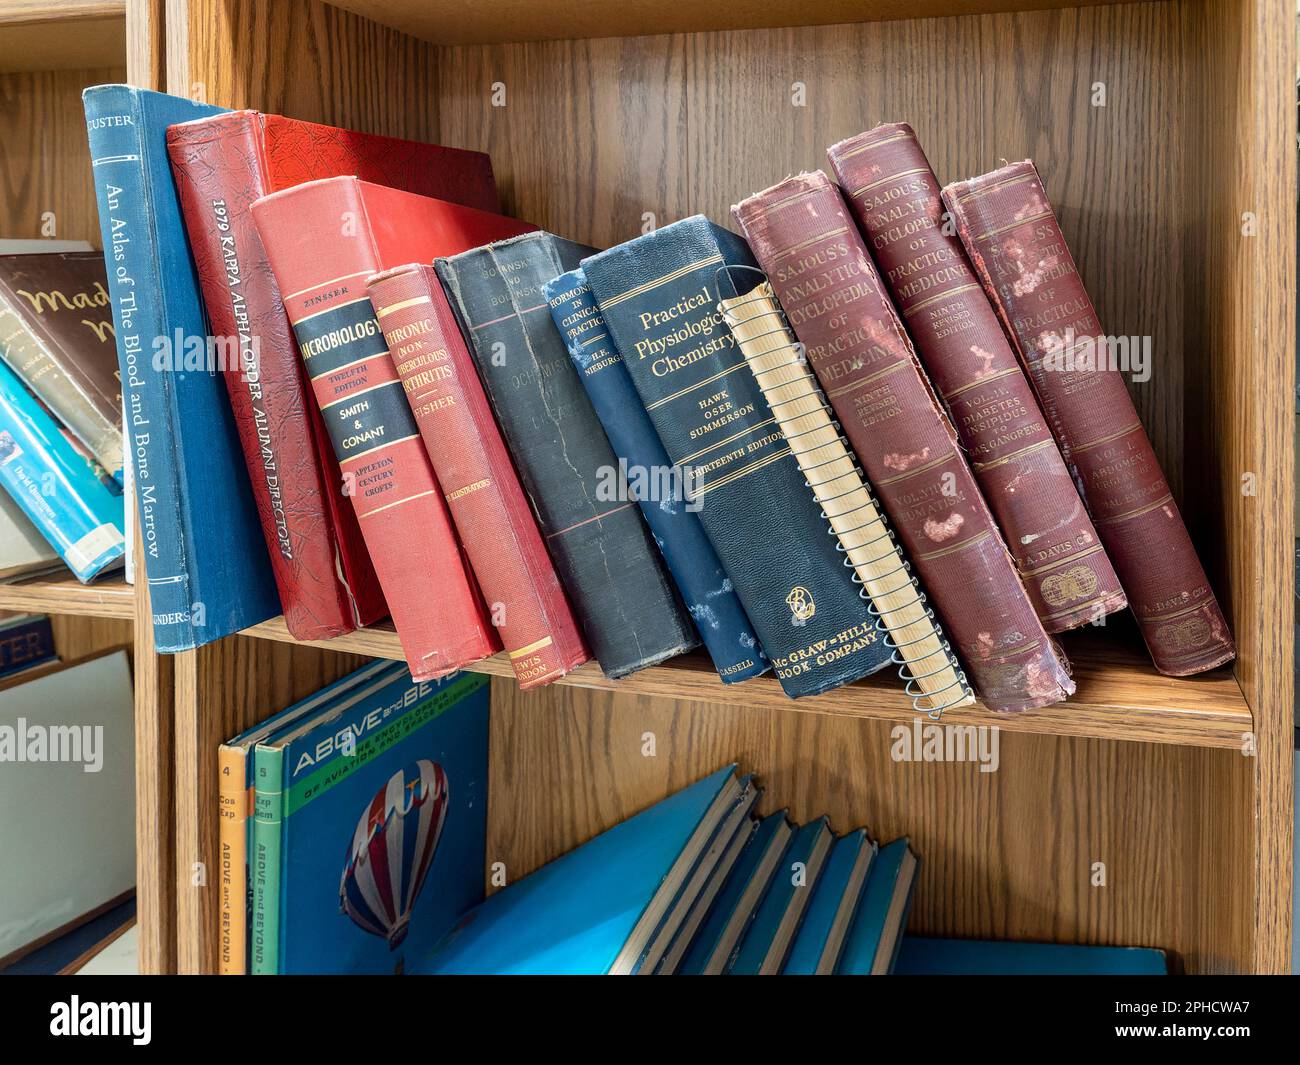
(26,640)
(767,942)
(658,486)
(920,956)
(703,904)
(379,809)
(703,877)
(817,947)
(204,553)
(594,910)
(871,947)
(57,487)
(728,918)
(659,295)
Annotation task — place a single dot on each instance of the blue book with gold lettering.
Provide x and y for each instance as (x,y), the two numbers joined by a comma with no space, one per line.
(659,295)
(57,487)
(658,485)
(204,553)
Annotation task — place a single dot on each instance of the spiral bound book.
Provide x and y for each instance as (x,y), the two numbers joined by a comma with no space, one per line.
(923,656)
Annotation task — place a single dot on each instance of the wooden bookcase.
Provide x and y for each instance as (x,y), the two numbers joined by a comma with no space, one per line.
(1178,198)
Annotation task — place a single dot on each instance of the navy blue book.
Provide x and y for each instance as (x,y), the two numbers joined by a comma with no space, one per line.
(817,947)
(771,934)
(26,640)
(204,553)
(659,295)
(729,916)
(611,569)
(658,485)
(595,910)
(871,947)
(920,956)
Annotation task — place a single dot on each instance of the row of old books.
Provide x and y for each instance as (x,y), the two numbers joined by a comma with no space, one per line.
(877,432)
(61,453)
(354,839)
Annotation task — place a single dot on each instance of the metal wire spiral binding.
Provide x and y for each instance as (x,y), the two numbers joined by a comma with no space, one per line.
(906,670)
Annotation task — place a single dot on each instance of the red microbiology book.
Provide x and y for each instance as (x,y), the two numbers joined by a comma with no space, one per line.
(894,196)
(488,505)
(804,238)
(1010,230)
(324,239)
(324,577)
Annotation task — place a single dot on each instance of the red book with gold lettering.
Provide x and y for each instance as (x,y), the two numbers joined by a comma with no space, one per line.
(803,236)
(478,480)
(324,239)
(323,574)
(894,196)
(1010,230)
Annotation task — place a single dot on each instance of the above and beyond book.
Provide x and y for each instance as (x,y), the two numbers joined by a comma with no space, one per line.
(371,826)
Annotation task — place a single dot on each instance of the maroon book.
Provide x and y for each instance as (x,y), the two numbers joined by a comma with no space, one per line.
(804,238)
(325,577)
(894,196)
(1011,233)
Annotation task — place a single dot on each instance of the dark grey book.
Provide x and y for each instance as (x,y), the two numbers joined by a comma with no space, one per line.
(615,577)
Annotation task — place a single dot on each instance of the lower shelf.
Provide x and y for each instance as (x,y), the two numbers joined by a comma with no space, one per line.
(1120,696)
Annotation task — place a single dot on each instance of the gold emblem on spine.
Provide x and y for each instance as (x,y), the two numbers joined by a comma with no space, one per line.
(1069,586)
(801,604)
(1185,635)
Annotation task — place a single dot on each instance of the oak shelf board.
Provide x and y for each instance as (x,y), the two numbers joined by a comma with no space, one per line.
(1120,695)
(453,22)
(62,593)
(61,34)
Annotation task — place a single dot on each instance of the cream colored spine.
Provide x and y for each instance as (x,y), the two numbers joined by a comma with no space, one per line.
(934,678)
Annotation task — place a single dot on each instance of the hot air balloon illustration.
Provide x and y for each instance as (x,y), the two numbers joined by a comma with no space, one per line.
(392,850)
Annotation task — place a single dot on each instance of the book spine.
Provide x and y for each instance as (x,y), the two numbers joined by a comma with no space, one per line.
(692,561)
(117,155)
(26,645)
(626,602)
(55,486)
(1011,232)
(925,661)
(265,868)
(659,295)
(232,844)
(894,196)
(537,628)
(436,608)
(220,171)
(804,237)
(40,366)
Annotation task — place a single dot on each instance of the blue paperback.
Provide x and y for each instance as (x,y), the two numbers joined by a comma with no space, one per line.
(377,812)
(79,513)
(204,554)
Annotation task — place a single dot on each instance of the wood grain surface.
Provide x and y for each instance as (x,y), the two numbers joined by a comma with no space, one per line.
(600,138)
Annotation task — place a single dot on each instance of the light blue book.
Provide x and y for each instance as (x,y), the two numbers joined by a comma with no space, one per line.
(767,942)
(739,836)
(921,956)
(871,947)
(58,488)
(723,926)
(374,813)
(204,554)
(820,940)
(596,909)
